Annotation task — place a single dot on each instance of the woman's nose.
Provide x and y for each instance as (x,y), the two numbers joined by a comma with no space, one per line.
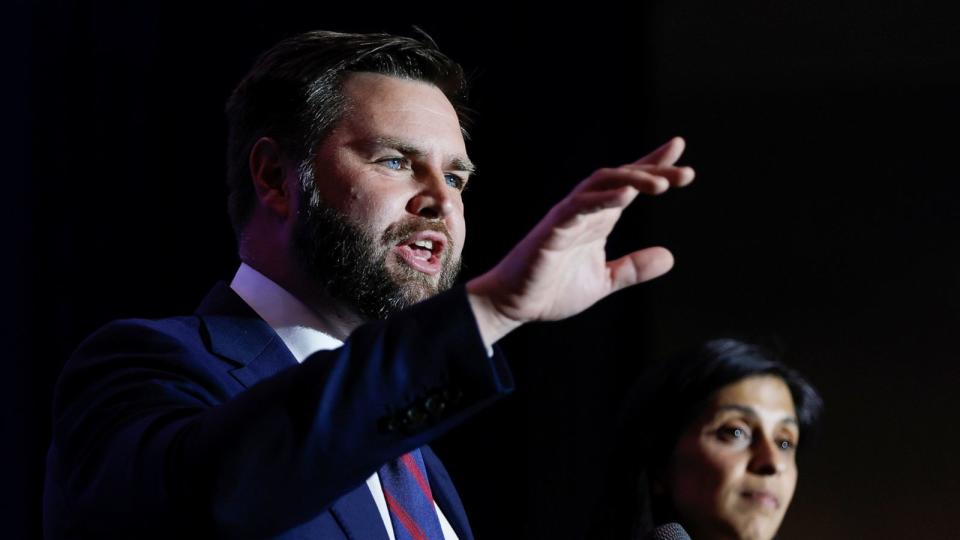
(768,458)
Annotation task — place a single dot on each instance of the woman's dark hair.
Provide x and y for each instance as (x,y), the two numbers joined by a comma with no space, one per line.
(666,400)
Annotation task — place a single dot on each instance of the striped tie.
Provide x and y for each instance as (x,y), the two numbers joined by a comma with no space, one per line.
(409,499)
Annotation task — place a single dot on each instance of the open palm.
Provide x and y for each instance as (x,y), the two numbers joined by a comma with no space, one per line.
(560,268)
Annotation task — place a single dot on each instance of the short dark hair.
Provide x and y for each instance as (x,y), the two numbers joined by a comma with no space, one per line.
(666,400)
(293,94)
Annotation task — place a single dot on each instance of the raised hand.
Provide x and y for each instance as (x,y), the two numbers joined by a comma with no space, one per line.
(560,268)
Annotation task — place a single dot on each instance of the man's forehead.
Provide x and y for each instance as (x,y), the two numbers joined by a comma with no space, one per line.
(404,114)
(373,92)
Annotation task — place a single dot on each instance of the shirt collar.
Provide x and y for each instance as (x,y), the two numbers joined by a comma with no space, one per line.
(296,324)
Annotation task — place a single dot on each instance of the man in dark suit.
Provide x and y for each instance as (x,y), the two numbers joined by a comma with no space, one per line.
(297,401)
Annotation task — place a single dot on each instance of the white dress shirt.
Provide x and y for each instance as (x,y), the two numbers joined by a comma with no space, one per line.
(300,329)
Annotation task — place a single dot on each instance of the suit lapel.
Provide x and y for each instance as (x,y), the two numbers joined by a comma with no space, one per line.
(237,333)
(358,515)
(446,495)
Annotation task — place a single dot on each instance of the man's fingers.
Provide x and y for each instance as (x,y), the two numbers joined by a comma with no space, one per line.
(639,266)
(677,176)
(652,174)
(589,202)
(615,178)
(668,154)
(593,201)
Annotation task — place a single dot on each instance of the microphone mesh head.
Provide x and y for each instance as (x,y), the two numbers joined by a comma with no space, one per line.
(668,531)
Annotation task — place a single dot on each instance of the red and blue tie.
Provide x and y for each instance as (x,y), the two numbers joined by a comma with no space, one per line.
(409,498)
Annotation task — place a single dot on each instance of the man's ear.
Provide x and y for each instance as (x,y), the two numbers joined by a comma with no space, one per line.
(269,169)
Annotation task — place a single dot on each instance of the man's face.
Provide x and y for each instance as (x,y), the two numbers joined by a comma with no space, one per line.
(382,224)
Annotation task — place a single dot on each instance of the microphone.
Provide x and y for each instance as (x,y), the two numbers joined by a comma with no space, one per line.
(668,531)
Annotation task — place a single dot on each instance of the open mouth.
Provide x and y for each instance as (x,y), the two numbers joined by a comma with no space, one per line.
(423,251)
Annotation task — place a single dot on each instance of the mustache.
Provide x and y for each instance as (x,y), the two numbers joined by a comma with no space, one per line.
(397,232)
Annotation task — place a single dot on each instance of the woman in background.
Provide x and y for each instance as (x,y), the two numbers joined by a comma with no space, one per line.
(710,441)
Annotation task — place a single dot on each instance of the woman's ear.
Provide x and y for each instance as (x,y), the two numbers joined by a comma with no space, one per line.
(658,479)
(657,485)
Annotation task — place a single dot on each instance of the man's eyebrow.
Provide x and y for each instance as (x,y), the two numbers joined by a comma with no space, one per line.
(749,411)
(459,163)
(463,164)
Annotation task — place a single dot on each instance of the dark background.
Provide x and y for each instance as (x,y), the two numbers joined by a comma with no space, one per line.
(823,219)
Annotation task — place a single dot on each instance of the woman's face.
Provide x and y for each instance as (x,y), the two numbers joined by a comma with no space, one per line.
(734,469)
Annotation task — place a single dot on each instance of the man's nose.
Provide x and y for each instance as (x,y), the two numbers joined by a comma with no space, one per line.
(434,199)
(768,458)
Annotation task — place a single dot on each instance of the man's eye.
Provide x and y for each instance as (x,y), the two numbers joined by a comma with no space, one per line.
(455,181)
(395,163)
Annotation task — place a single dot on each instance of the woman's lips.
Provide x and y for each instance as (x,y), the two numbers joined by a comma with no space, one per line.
(762,498)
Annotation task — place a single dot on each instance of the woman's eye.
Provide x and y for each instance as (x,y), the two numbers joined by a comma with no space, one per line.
(733,433)
(786,444)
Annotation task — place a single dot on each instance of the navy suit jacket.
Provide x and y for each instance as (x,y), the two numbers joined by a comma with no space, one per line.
(206,426)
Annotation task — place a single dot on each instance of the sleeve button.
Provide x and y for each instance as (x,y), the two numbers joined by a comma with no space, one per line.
(414,417)
(435,405)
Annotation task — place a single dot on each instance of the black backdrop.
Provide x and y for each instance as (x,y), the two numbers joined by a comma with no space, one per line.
(822,219)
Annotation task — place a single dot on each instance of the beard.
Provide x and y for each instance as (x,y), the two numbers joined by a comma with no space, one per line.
(349,263)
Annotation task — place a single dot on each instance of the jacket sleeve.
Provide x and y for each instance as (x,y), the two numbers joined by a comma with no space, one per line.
(149,441)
